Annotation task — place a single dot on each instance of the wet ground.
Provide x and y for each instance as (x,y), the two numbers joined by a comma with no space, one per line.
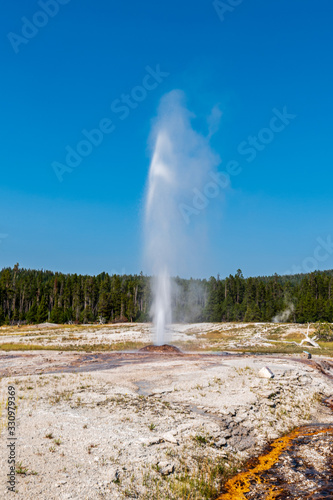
(296,466)
(197,386)
(44,362)
(23,363)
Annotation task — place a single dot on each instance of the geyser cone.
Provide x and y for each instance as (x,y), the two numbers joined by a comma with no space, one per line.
(166,348)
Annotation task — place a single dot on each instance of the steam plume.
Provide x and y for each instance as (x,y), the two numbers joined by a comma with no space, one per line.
(284,315)
(181,161)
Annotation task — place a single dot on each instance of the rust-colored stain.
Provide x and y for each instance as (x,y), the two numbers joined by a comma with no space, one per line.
(237,487)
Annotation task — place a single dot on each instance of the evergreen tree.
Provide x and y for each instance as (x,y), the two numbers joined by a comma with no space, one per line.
(32,313)
(57,315)
(84,298)
(42,311)
(2,317)
(104,302)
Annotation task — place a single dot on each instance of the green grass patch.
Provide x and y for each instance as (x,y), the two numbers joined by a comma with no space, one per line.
(120,346)
(326,349)
(204,483)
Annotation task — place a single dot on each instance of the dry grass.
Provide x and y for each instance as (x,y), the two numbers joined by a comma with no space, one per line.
(58,329)
(296,337)
(119,346)
(326,350)
(221,335)
(236,337)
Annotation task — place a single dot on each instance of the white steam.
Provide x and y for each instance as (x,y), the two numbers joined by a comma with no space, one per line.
(180,164)
(284,315)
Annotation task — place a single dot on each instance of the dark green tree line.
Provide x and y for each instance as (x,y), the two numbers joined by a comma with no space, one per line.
(37,296)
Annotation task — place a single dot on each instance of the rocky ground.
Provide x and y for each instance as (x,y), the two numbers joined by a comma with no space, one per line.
(148,426)
(124,336)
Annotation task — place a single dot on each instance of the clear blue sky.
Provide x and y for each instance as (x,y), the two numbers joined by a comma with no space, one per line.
(67,74)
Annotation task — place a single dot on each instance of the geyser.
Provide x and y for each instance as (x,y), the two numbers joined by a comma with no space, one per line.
(180,165)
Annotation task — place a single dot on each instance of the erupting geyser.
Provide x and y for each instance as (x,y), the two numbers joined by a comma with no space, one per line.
(180,164)
(158,233)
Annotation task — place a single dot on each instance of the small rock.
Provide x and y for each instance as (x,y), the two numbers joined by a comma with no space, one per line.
(165,468)
(112,474)
(221,442)
(306,354)
(265,372)
(170,438)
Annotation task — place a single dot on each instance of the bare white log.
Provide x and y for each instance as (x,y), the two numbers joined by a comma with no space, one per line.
(309,340)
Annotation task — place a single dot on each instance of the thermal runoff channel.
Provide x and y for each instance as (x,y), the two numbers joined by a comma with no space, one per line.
(180,165)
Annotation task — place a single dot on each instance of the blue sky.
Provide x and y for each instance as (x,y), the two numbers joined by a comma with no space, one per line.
(66,76)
